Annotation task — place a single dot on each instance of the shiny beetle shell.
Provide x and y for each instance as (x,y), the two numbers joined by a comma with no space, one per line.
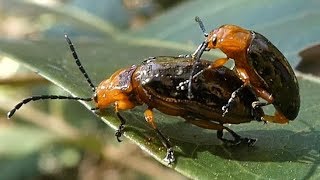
(161,77)
(276,72)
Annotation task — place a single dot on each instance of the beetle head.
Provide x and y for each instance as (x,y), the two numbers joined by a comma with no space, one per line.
(230,39)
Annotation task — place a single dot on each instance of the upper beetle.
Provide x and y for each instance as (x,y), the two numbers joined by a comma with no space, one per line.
(155,83)
(259,64)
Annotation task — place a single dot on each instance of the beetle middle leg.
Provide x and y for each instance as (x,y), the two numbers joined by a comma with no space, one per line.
(148,114)
(219,127)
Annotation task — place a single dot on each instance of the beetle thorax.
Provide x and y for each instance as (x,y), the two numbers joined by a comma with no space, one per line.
(230,39)
(116,89)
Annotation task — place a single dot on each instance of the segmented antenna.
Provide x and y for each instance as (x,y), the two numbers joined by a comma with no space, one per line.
(196,56)
(43,97)
(58,97)
(203,29)
(76,58)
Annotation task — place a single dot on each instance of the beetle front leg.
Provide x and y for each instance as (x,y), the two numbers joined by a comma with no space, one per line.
(148,114)
(120,129)
(218,62)
(119,132)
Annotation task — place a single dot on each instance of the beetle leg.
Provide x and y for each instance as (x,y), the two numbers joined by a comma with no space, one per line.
(257,104)
(218,63)
(119,132)
(148,114)
(237,138)
(277,118)
(257,115)
(219,127)
(264,95)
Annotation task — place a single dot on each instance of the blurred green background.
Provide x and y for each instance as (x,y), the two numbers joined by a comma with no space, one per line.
(64,140)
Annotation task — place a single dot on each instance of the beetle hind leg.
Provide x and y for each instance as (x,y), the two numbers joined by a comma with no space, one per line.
(219,127)
(237,138)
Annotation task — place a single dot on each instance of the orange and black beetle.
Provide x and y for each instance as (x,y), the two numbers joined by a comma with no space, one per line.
(155,83)
(259,64)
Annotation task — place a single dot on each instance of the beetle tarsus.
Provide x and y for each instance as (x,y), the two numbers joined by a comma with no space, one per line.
(237,138)
(170,156)
(170,153)
(119,132)
(258,104)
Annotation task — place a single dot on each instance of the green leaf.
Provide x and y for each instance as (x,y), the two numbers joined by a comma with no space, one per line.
(282,152)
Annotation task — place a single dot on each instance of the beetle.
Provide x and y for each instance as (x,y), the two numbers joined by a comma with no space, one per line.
(259,64)
(155,83)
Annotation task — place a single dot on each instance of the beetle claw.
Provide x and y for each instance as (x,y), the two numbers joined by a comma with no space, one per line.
(170,156)
(249,141)
(119,133)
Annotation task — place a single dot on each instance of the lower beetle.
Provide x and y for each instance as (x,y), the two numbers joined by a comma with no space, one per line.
(155,83)
(259,64)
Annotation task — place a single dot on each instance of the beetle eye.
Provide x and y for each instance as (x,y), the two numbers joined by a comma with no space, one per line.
(95,97)
(214,39)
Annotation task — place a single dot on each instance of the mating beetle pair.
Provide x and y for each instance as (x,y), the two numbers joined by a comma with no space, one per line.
(155,82)
(159,83)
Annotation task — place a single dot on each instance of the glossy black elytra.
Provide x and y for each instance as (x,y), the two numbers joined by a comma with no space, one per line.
(155,83)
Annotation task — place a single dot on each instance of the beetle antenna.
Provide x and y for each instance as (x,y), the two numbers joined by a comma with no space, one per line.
(43,97)
(76,58)
(203,29)
(197,56)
